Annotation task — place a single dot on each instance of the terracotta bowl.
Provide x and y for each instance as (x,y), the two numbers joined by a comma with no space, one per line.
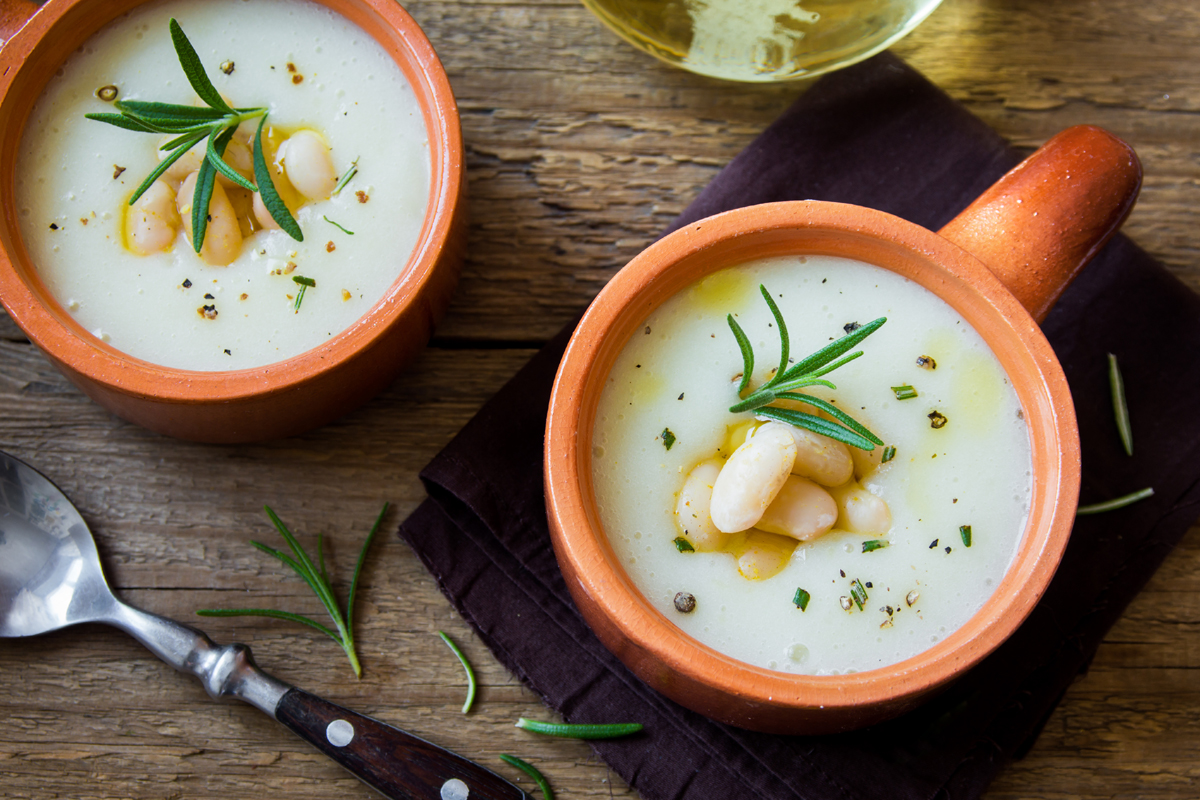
(253,404)
(1034,229)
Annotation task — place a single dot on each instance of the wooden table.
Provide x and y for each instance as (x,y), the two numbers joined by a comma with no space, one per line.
(580,149)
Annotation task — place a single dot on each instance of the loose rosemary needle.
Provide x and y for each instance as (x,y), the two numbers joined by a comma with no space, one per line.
(317,580)
(1115,503)
(466,667)
(576,731)
(1116,385)
(531,771)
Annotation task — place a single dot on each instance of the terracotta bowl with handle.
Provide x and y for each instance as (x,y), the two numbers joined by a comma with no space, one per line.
(281,399)
(1001,265)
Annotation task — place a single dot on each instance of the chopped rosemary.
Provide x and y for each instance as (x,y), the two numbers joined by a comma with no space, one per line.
(904,392)
(807,372)
(668,438)
(346,178)
(965,532)
(317,580)
(1115,503)
(683,545)
(575,731)
(192,125)
(339,227)
(858,593)
(889,453)
(1120,409)
(801,599)
(874,544)
(466,668)
(531,771)
(305,284)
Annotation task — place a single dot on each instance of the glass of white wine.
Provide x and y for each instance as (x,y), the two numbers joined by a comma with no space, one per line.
(761,40)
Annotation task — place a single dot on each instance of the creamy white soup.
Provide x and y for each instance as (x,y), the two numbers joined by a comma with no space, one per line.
(962,458)
(314,70)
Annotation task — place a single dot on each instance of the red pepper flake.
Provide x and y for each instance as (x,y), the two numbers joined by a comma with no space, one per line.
(208,312)
(330,246)
(83,220)
(291,67)
(345,295)
(297,79)
(362,196)
(244,296)
(117,170)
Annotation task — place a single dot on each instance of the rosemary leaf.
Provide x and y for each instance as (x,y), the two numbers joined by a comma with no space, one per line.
(872,545)
(1115,503)
(835,412)
(889,453)
(194,70)
(904,392)
(362,557)
(266,189)
(576,731)
(121,121)
(341,184)
(965,532)
(466,665)
(219,164)
(268,612)
(169,113)
(783,336)
(207,176)
(747,353)
(1120,408)
(818,425)
(163,166)
(531,771)
(339,227)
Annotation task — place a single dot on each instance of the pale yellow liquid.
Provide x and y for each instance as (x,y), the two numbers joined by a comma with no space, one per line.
(761,40)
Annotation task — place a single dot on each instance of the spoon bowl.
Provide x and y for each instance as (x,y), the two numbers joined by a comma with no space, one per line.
(50,578)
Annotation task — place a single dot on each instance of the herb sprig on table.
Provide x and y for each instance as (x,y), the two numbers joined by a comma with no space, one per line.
(318,580)
(191,125)
(809,371)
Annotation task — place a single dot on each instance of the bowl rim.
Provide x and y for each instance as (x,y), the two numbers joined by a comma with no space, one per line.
(66,342)
(645,638)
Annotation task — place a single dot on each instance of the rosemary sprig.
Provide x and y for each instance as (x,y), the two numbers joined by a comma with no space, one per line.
(305,284)
(466,665)
(577,731)
(1116,385)
(531,771)
(317,580)
(193,124)
(809,371)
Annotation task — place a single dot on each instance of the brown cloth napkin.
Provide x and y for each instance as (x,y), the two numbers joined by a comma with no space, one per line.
(879,135)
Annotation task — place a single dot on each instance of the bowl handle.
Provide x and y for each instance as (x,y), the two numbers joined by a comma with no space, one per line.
(1037,226)
(13,16)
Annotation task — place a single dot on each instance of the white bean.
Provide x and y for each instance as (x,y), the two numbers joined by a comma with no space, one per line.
(262,215)
(802,510)
(824,460)
(859,511)
(152,222)
(223,236)
(692,516)
(308,165)
(751,478)
(763,555)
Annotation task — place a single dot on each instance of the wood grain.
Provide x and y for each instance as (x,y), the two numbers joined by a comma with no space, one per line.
(579,151)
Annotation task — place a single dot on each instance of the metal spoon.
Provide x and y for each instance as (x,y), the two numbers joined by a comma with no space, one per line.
(50,578)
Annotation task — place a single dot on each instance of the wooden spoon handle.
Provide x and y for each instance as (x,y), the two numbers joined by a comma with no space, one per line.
(1037,226)
(396,764)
